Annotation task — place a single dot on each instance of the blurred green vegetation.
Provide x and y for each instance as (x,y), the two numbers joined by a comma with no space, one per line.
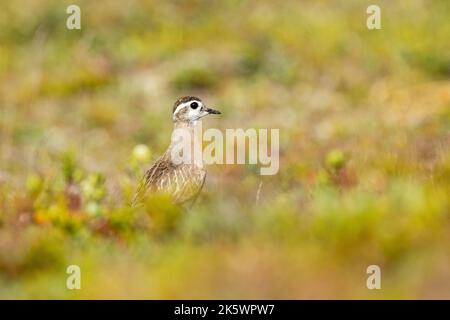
(364,170)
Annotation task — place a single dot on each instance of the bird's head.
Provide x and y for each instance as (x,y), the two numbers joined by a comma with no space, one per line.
(190,109)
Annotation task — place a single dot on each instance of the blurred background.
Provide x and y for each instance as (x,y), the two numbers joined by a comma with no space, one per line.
(364,119)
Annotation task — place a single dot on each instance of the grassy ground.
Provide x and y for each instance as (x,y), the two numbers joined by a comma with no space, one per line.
(364,119)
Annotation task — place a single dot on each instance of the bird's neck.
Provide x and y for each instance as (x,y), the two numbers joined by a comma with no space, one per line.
(187,124)
(187,137)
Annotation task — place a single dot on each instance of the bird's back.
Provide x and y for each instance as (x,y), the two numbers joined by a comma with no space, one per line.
(183,182)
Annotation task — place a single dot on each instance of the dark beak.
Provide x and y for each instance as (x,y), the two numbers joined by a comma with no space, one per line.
(212,111)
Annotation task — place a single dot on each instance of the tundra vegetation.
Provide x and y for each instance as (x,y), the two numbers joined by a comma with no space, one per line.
(364,172)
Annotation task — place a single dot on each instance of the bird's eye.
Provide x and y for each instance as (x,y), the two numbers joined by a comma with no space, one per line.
(194,105)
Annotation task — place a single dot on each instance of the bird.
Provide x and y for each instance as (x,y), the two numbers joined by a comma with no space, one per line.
(182,181)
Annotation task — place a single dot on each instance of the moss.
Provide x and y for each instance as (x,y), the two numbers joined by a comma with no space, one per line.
(194,78)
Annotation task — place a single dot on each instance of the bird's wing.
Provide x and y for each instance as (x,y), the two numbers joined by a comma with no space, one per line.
(149,181)
(182,182)
(188,183)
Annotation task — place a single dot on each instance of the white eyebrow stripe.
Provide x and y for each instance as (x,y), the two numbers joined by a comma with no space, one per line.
(183,105)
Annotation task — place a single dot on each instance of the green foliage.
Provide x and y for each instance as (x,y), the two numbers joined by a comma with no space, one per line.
(37,250)
(194,78)
(69,167)
(34,184)
(335,159)
(432,63)
(164,215)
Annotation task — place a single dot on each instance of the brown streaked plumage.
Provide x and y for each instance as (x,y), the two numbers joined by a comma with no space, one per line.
(182,181)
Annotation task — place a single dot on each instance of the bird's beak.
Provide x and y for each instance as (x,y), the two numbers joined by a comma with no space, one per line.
(212,111)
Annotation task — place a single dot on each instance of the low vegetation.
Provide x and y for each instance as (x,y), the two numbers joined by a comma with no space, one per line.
(364,119)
